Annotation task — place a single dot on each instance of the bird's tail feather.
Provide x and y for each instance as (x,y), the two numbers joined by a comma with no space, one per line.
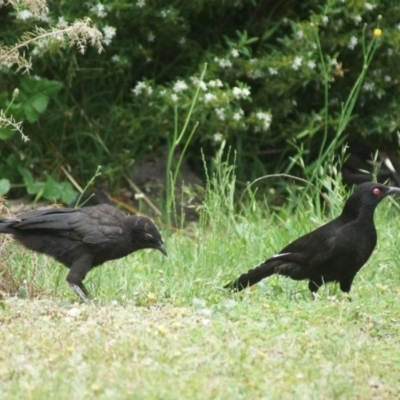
(252,277)
(6,225)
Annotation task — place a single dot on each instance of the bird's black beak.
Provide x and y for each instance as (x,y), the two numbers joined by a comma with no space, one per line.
(162,249)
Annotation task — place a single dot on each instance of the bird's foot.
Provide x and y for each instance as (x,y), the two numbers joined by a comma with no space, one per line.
(80,293)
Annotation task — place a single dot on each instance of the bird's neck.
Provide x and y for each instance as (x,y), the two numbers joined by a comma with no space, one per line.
(354,210)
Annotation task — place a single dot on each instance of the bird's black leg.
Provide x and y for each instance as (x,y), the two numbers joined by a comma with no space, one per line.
(81,292)
(345,285)
(77,274)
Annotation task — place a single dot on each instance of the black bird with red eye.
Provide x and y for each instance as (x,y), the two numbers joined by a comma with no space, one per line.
(334,252)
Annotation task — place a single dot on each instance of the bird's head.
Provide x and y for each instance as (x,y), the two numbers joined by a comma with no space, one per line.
(146,235)
(370,194)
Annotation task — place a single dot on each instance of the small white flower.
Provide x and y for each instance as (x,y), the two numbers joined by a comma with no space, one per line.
(300,34)
(234,53)
(43,17)
(115,58)
(398,26)
(220,113)
(215,83)
(24,15)
(109,33)
(387,78)
(352,43)
(297,63)
(139,88)
(209,97)
(217,137)
(325,19)
(179,86)
(99,10)
(182,40)
(357,19)
(141,3)
(223,63)
(197,82)
(238,115)
(240,93)
(272,71)
(174,97)
(151,37)
(265,118)
(369,6)
(369,86)
(61,23)
(333,62)
(311,64)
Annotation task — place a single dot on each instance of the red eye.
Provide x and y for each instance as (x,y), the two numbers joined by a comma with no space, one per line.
(376,192)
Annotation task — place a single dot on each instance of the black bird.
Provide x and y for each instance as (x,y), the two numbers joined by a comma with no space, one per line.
(82,239)
(335,252)
(91,198)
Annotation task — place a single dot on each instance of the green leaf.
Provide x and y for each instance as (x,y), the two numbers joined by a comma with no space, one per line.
(4,186)
(34,96)
(32,186)
(6,132)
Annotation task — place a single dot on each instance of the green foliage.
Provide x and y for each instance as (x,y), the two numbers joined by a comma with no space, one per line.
(50,189)
(283,81)
(33,98)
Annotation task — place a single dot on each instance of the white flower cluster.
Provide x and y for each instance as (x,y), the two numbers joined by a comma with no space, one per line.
(220,113)
(218,137)
(209,97)
(240,93)
(238,115)
(142,87)
(27,14)
(197,82)
(109,33)
(99,10)
(215,83)
(352,43)
(223,62)
(179,86)
(265,118)
(297,63)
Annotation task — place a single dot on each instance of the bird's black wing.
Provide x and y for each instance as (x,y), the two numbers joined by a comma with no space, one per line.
(313,248)
(97,225)
(91,225)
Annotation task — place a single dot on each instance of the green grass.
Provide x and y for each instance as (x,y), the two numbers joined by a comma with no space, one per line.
(163,328)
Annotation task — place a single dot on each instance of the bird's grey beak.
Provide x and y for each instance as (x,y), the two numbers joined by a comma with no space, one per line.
(162,249)
(393,190)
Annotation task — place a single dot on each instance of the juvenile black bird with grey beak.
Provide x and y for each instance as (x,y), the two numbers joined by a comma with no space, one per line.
(85,238)
(335,252)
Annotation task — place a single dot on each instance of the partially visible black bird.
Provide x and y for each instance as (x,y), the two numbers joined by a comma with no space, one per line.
(91,198)
(82,239)
(335,252)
